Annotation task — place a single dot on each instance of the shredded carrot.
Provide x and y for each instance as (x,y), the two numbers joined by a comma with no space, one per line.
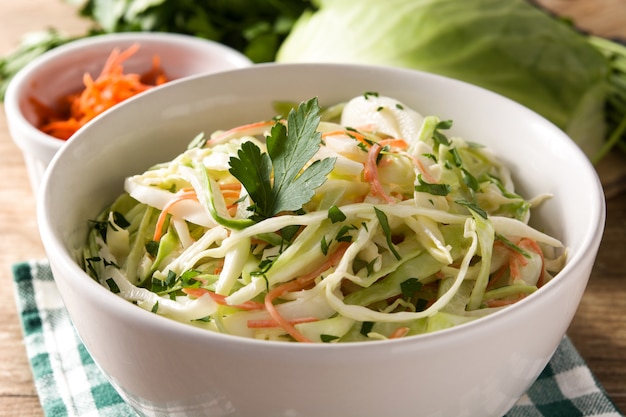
(111,87)
(184,194)
(532,245)
(394,143)
(231,186)
(299,284)
(495,277)
(370,174)
(399,332)
(266,324)
(247,129)
(421,168)
(221,299)
(230,193)
(516,262)
(218,268)
(155,76)
(504,302)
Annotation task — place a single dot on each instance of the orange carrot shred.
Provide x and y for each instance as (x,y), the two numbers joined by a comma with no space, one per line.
(266,324)
(110,88)
(499,273)
(370,174)
(184,194)
(399,332)
(221,299)
(421,168)
(532,245)
(516,262)
(505,301)
(247,129)
(231,186)
(395,143)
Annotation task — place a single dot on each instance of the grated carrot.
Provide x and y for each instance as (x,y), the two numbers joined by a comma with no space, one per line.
(111,87)
(394,143)
(250,129)
(221,299)
(399,332)
(370,174)
(504,302)
(184,194)
(532,245)
(266,324)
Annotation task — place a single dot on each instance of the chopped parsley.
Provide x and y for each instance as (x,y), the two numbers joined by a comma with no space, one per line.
(473,207)
(384,224)
(277,181)
(410,287)
(336,215)
(327,338)
(434,189)
(439,137)
(367,327)
(113,285)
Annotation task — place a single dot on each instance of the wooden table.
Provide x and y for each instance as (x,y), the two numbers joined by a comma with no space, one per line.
(598,330)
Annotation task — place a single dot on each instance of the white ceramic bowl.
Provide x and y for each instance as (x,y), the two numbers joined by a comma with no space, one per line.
(60,72)
(162,367)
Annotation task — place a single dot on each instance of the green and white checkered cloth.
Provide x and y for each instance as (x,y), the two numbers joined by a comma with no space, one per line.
(70,384)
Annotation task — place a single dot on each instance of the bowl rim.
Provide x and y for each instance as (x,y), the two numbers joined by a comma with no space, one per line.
(592,236)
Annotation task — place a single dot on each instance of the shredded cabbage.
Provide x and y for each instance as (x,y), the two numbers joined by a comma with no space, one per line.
(411,232)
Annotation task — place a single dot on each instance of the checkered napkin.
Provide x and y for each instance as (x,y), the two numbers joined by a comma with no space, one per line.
(70,384)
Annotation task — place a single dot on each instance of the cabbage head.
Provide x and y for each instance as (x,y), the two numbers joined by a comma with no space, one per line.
(508,46)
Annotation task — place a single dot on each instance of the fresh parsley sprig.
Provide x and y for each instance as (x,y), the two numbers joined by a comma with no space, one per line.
(277,181)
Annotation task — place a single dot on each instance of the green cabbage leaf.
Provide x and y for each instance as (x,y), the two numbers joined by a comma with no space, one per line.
(508,46)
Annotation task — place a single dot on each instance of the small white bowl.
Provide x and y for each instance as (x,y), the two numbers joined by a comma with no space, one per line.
(163,367)
(59,72)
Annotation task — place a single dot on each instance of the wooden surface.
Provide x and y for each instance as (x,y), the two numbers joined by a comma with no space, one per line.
(601,17)
(598,330)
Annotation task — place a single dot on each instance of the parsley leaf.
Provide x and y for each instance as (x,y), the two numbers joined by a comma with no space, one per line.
(410,287)
(254,170)
(469,180)
(439,137)
(384,224)
(434,189)
(278,181)
(366,327)
(473,207)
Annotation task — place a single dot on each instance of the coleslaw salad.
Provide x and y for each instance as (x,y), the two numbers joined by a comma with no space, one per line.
(361,221)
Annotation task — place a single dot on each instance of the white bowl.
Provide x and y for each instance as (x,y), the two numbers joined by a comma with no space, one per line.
(162,367)
(60,72)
